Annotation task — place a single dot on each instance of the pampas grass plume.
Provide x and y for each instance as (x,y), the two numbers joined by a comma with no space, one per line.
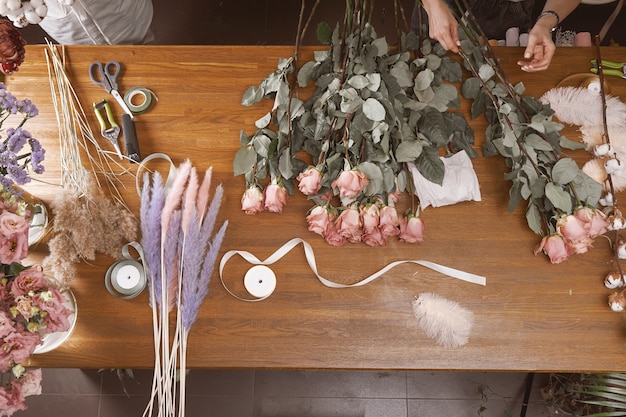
(444,321)
(582,107)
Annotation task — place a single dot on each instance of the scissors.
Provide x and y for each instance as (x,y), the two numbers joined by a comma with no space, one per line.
(617,69)
(105,75)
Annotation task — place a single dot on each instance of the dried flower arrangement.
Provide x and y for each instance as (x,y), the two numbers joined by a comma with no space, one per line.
(90,215)
(377,116)
(181,248)
(31,306)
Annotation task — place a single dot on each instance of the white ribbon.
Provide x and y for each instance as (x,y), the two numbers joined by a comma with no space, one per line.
(310,258)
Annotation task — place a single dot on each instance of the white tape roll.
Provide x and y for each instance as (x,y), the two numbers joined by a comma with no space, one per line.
(260,281)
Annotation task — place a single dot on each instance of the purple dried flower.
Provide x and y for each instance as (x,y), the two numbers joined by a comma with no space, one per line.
(152,200)
(171,255)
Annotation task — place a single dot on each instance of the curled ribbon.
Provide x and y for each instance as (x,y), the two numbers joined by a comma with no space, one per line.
(126,279)
(310,258)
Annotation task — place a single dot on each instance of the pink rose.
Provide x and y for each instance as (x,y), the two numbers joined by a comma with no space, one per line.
(309,181)
(555,247)
(28,280)
(57,315)
(333,237)
(275,198)
(595,220)
(318,219)
(13,248)
(6,324)
(350,183)
(375,237)
(20,345)
(252,200)
(11,224)
(574,232)
(411,229)
(370,217)
(30,383)
(349,224)
(389,221)
(24,306)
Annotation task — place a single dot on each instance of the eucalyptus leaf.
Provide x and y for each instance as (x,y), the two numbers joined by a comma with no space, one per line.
(408,151)
(558,197)
(434,127)
(402,74)
(430,165)
(252,95)
(324,33)
(304,74)
(381,46)
(533,218)
(564,171)
(423,80)
(244,161)
(358,81)
(264,121)
(374,110)
(375,177)
(285,164)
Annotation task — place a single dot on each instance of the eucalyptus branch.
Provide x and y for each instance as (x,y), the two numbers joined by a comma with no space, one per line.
(494,100)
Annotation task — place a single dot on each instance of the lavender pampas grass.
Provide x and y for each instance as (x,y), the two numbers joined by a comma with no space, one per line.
(444,321)
(181,251)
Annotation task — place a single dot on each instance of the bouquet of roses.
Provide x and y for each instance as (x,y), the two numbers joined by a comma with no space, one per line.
(30,308)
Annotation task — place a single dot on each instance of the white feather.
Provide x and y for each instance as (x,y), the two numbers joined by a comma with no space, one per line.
(444,321)
(582,107)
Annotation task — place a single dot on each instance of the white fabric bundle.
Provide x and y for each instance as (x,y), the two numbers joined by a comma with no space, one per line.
(444,321)
(459,183)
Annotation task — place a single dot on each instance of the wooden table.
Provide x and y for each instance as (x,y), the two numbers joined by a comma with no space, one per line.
(531,315)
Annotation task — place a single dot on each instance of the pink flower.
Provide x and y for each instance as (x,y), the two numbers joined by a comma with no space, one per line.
(28,280)
(318,219)
(30,383)
(275,198)
(6,324)
(389,221)
(350,183)
(370,216)
(574,232)
(349,224)
(555,247)
(24,306)
(12,224)
(252,200)
(19,345)
(411,229)
(13,248)
(309,181)
(375,237)
(333,237)
(595,220)
(57,317)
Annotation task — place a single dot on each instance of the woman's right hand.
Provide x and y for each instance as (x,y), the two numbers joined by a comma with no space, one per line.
(442,25)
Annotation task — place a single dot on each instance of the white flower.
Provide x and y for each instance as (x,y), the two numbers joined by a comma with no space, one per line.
(604,149)
(613,280)
(621,251)
(617,307)
(607,200)
(613,166)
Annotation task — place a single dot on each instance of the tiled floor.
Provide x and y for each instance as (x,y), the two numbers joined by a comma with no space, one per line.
(246,393)
(249,393)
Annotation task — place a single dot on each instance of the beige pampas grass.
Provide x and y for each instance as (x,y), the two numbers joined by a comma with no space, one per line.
(444,321)
(583,107)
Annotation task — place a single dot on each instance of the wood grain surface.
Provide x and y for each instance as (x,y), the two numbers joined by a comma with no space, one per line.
(531,315)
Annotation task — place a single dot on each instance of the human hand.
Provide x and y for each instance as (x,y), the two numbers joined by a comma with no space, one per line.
(540,49)
(442,25)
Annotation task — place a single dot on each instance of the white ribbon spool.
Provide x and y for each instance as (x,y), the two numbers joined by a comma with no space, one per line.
(310,258)
(126,279)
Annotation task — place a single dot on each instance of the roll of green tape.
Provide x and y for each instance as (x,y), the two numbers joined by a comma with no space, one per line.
(145,104)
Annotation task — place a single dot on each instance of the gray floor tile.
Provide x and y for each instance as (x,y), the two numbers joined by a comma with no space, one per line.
(120,382)
(329,407)
(220,383)
(345,384)
(69,381)
(61,405)
(121,406)
(219,407)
